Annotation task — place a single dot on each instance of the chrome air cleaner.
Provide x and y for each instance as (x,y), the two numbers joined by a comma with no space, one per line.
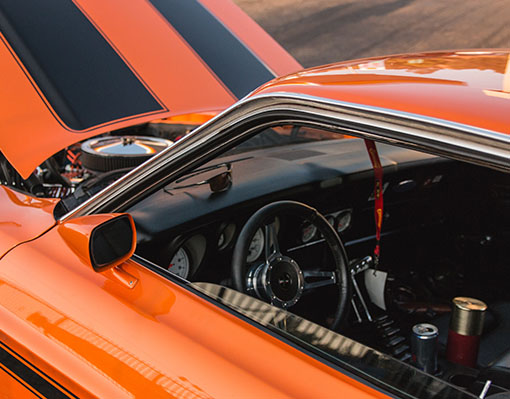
(108,153)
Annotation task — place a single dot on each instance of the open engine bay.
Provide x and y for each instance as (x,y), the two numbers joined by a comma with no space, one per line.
(444,235)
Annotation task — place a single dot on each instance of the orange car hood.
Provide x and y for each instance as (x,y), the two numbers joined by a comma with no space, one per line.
(92,66)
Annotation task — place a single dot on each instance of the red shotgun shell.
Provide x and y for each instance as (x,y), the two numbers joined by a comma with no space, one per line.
(466,325)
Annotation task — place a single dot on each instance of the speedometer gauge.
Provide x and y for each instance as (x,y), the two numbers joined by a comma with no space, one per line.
(344,221)
(226,235)
(256,246)
(308,232)
(179,264)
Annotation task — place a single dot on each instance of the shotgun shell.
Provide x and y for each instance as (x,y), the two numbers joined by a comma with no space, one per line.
(466,326)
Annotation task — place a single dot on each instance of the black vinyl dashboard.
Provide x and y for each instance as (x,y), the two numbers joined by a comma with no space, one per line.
(190,228)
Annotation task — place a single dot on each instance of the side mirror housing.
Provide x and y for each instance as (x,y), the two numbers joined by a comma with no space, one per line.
(101,241)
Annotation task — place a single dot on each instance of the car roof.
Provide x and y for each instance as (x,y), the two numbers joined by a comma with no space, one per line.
(470,87)
(92,66)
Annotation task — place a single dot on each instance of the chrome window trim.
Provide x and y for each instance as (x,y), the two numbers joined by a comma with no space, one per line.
(417,132)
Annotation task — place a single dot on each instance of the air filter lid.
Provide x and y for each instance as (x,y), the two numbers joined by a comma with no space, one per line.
(117,152)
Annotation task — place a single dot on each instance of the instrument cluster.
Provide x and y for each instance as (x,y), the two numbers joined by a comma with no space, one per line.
(185,254)
(340,220)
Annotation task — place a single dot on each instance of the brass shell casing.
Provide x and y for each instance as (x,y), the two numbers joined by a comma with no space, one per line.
(468,315)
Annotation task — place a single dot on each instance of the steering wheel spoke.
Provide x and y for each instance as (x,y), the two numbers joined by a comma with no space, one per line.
(271,246)
(318,278)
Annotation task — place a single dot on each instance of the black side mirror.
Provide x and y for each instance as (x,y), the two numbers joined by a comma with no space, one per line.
(101,241)
(111,242)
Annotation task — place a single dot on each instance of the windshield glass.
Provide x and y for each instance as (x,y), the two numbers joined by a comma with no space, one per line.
(286,135)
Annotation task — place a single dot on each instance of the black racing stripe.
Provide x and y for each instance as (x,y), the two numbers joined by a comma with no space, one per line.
(83,78)
(234,64)
(30,378)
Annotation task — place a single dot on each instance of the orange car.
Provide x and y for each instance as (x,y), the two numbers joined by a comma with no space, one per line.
(338,232)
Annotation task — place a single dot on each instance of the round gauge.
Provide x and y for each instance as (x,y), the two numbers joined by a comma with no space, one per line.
(179,264)
(256,246)
(221,240)
(308,232)
(344,221)
(331,220)
(226,235)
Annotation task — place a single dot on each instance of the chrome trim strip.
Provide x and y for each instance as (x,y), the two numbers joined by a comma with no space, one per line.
(435,136)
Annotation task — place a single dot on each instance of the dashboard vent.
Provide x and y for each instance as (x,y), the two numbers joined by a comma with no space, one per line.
(296,154)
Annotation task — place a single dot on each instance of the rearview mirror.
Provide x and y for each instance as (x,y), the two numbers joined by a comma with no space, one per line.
(101,241)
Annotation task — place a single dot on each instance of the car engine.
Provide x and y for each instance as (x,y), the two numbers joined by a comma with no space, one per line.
(83,169)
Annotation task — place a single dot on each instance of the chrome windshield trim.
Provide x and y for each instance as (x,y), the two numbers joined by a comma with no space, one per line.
(435,136)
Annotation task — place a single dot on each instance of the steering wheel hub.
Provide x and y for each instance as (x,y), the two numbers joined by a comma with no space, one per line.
(279,281)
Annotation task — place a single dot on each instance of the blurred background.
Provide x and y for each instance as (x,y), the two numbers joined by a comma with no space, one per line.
(322,31)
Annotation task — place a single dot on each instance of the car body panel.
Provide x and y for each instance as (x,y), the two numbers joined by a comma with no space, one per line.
(137,42)
(101,339)
(23,217)
(13,388)
(258,40)
(468,87)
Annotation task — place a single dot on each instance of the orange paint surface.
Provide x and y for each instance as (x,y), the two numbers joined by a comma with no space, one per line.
(11,387)
(256,38)
(469,87)
(22,217)
(158,53)
(155,340)
(192,119)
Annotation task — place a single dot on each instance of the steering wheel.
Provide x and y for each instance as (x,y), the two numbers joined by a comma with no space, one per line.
(278,279)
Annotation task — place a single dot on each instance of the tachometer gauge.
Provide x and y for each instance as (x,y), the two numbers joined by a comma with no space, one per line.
(344,221)
(221,240)
(308,232)
(226,235)
(256,246)
(179,264)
